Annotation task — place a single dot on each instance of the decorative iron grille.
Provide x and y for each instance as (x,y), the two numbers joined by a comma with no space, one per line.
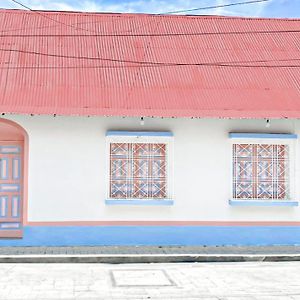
(138,171)
(261,171)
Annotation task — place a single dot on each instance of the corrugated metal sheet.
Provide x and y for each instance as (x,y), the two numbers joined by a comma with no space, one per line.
(50,68)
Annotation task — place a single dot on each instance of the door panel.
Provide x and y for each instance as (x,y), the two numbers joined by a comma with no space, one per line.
(10,189)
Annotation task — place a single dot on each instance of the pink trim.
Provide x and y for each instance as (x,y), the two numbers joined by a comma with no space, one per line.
(165,223)
(11,234)
(9,219)
(24,169)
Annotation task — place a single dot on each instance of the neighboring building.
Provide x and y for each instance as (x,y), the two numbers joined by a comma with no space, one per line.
(124,129)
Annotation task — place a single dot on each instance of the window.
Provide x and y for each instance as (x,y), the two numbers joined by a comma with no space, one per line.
(137,170)
(260,171)
(262,167)
(139,166)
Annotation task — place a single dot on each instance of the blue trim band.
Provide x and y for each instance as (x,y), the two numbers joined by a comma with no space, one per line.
(3,185)
(262,203)
(14,160)
(17,227)
(156,235)
(5,198)
(139,133)
(139,202)
(263,135)
(10,147)
(1,168)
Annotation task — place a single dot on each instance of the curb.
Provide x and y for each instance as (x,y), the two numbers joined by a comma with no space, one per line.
(147,258)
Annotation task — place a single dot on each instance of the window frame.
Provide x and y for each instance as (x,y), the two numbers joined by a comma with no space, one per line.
(269,139)
(141,137)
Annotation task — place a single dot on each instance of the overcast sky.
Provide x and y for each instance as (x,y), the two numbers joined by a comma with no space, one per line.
(272,8)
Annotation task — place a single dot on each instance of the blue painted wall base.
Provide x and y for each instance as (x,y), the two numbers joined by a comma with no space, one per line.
(156,235)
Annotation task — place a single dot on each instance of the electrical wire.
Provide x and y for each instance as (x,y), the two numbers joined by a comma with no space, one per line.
(213,7)
(151,63)
(166,13)
(47,17)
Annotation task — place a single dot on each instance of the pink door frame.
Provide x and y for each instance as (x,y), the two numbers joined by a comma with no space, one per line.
(12,134)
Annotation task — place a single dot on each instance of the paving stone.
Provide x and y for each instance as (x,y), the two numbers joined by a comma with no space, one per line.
(140,278)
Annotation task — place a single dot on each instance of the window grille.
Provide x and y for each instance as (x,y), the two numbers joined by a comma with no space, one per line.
(138,171)
(261,171)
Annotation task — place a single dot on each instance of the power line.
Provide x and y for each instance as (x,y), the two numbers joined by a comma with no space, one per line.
(143,25)
(47,17)
(165,13)
(213,7)
(170,12)
(151,63)
(148,63)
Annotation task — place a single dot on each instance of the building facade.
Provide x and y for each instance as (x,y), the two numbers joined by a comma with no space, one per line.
(97,181)
(127,129)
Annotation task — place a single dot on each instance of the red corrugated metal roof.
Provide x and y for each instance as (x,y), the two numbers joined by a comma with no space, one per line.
(251,67)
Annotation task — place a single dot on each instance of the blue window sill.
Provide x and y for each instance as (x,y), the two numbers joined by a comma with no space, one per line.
(262,203)
(140,133)
(165,202)
(234,135)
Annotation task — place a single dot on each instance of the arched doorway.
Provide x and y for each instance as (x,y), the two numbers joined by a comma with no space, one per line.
(13,140)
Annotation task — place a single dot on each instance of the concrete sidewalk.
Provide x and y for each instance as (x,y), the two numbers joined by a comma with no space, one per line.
(187,281)
(148,254)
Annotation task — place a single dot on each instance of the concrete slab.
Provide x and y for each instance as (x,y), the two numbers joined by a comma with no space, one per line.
(139,278)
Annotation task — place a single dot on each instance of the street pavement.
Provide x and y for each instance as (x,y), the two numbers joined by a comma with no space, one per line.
(222,281)
(107,250)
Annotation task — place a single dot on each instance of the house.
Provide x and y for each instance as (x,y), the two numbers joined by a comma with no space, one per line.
(132,129)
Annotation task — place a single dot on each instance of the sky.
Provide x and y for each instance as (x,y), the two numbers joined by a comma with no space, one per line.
(271,8)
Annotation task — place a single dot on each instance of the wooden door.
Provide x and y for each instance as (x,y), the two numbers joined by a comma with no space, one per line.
(11,164)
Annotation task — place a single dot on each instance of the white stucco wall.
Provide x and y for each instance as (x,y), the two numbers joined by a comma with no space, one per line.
(67,169)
